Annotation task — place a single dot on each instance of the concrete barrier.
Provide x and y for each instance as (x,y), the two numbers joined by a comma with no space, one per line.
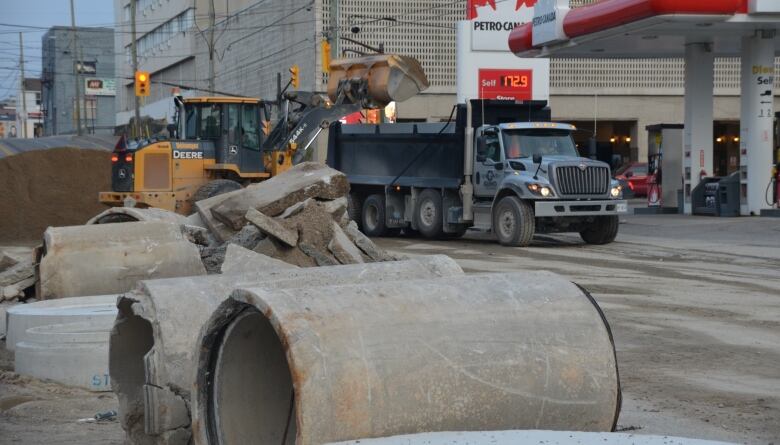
(528,437)
(324,364)
(154,347)
(74,354)
(22,317)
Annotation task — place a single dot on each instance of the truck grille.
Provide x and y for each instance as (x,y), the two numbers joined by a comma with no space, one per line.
(572,180)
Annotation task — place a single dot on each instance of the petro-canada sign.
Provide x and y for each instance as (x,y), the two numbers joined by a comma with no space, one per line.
(493,20)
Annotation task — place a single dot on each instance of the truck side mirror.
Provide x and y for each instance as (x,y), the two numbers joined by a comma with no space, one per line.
(498,166)
(537,158)
(481,146)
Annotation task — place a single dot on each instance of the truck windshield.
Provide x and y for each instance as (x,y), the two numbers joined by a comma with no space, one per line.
(527,143)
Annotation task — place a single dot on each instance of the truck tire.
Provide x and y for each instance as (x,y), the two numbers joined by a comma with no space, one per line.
(428,214)
(355,209)
(603,230)
(214,188)
(373,216)
(513,222)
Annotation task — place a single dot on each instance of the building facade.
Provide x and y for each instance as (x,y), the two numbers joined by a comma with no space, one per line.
(7,120)
(29,118)
(93,66)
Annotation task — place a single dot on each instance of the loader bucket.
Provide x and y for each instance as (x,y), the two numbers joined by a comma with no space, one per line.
(390,77)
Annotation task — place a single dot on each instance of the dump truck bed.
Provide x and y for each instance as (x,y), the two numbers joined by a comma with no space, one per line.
(403,154)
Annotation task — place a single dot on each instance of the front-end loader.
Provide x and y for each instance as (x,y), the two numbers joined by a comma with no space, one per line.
(223,143)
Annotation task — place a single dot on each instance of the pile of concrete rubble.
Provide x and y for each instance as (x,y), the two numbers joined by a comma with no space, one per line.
(17,274)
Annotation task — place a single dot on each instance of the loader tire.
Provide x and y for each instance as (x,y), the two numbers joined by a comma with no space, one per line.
(428,214)
(603,230)
(214,188)
(513,222)
(373,216)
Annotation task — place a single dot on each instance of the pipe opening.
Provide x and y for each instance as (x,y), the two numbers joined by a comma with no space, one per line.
(252,398)
(131,339)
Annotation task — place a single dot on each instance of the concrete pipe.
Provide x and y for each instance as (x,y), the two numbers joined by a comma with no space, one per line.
(132,214)
(74,354)
(111,258)
(489,352)
(154,346)
(22,317)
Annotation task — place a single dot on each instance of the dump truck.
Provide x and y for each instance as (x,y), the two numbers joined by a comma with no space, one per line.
(498,166)
(219,144)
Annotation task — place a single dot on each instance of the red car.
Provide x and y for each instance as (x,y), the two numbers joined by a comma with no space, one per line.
(635,175)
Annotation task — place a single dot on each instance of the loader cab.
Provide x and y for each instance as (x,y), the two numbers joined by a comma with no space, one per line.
(231,125)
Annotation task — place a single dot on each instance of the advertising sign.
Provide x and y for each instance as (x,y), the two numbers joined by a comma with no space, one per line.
(548,21)
(493,20)
(99,87)
(506,84)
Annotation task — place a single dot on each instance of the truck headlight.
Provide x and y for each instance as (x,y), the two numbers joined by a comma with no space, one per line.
(616,192)
(541,190)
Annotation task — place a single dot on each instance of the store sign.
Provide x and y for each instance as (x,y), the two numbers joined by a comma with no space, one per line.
(548,21)
(99,87)
(86,67)
(504,84)
(493,20)
(764,7)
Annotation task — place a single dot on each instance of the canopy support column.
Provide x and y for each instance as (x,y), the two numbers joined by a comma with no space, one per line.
(757,120)
(699,115)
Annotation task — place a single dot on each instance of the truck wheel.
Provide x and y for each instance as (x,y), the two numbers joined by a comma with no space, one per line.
(429,213)
(355,209)
(373,216)
(603,230)
(513,222)
(214,188)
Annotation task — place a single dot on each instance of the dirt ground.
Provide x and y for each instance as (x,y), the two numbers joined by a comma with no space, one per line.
(694,305)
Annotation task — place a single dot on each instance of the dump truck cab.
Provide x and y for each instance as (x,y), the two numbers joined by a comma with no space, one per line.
(218,148)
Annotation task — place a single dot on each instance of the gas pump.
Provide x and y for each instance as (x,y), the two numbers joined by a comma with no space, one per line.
(775,185)
(655,177)
(664,167)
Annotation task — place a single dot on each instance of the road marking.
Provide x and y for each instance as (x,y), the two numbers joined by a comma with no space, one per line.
(6,150)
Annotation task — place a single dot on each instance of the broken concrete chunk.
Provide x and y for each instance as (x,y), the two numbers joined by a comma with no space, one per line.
(16,291)
(164,410)
(320,258)
(213,257)
(239,260)
(274,196)
(196,235)
(217,228)
(16,273)
(248,237)
(342,248)
(336,207)
(272,227)
(365,244)
(6,262)
(296,208)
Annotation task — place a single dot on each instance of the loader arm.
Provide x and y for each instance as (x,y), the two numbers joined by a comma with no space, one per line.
(361,83)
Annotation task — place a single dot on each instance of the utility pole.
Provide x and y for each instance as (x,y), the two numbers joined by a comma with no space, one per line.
(212,23)
(334,29)
(76,69)
(23,114)
(137,127)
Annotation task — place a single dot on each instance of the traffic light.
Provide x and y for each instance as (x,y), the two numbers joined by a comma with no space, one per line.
(294,80)
(325,50)
(142,83)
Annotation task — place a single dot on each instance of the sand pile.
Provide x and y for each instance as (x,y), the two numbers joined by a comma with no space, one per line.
(54,187)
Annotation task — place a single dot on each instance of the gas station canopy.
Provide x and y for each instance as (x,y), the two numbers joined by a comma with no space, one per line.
(698,30)
(652,28)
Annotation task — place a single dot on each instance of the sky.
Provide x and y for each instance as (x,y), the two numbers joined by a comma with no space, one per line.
(17,14)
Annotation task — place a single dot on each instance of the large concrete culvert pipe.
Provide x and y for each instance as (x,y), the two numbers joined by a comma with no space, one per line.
(471,353)
(155,342)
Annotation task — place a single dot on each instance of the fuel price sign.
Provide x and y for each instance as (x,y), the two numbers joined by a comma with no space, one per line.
(505,84)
